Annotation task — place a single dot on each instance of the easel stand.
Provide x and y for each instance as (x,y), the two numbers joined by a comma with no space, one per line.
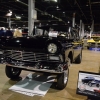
(93,98)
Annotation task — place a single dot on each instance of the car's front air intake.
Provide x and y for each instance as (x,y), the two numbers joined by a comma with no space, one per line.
(25,56)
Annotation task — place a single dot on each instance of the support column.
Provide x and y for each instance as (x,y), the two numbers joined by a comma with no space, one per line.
(73,20)
(80,31)
(31,8)
(92,28)
(9,21)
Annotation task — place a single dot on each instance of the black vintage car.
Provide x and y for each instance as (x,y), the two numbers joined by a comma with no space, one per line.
(49,50)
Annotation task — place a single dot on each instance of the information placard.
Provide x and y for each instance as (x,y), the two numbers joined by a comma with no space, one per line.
(88,84)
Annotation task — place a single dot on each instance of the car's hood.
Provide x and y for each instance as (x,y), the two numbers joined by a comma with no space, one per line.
(31,42)
(90,40)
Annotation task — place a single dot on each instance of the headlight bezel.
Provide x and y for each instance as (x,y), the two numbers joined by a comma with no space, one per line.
(52,48)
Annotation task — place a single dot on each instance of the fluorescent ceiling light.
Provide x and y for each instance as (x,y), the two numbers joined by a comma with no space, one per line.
(51,0)
(18,17)
(55,0)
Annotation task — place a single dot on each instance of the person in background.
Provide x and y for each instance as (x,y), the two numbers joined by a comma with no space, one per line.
(17,33)
(8,32)
(2,33)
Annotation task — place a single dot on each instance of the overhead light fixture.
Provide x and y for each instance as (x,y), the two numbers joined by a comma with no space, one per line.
(55,0)
(57,7)
(68,21)
(63,12)
(51,0)
(9,13)
(52,16)
(18,17)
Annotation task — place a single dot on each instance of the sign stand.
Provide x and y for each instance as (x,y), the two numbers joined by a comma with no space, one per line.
(93,98)
(87,85)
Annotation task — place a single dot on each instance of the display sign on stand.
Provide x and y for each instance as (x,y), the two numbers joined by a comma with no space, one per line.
(89,85)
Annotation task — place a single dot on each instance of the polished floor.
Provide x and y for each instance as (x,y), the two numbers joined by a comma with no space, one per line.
(90,63)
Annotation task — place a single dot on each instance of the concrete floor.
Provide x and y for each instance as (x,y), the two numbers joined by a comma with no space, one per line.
(90,63)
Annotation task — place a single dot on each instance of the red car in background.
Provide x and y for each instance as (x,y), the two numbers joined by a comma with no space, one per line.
(97,92)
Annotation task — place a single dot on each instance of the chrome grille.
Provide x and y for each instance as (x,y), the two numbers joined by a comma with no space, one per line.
(25,56)
(17,55)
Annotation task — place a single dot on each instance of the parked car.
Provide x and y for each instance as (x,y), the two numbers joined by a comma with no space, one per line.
(87,79)
(93,42)
(46,52)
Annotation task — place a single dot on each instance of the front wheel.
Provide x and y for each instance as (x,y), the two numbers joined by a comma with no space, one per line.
(62,79)
(90,84)
(12,72)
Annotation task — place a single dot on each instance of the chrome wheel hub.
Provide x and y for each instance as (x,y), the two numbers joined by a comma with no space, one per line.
(66,76)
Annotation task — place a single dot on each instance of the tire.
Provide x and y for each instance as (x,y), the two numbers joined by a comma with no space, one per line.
(12,72)
(62,79)
(97,85)
(90,84)
(79,58)
(87,47)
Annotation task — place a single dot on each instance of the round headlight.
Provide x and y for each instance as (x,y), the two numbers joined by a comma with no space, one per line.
(52,48)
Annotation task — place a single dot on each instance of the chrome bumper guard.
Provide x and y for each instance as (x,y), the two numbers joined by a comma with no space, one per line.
(34,69)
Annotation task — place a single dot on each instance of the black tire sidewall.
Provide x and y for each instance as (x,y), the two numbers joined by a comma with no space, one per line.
(9,74)
(60,81)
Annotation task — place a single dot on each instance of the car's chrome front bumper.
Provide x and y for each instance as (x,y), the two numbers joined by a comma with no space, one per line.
(34,69)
